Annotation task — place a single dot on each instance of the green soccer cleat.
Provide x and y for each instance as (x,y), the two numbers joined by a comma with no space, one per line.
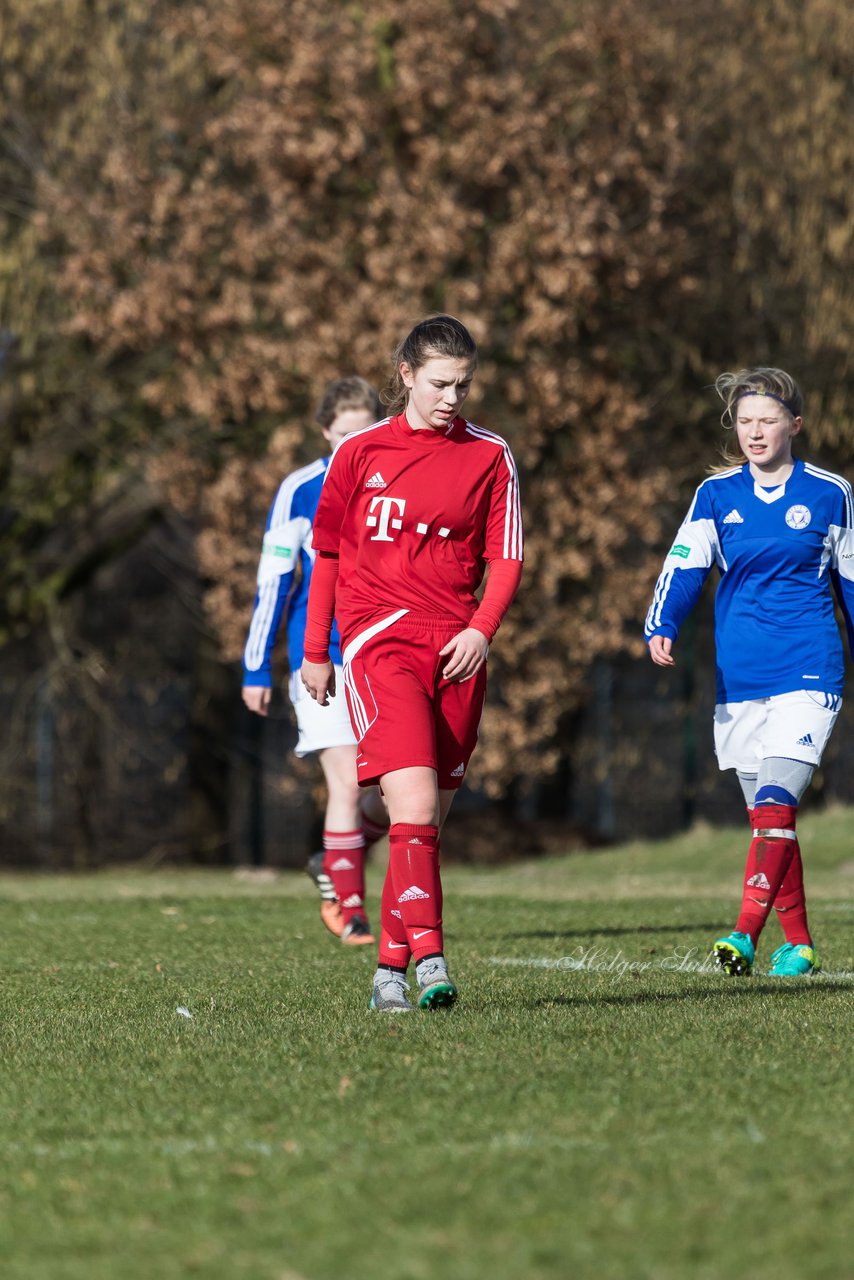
(435,989)
(794,961)
(735,954)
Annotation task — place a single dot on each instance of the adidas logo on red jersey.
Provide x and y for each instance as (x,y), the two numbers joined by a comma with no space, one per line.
(376,482)
(343,864)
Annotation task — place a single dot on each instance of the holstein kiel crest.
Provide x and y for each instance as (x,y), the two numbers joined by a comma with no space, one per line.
(798,517)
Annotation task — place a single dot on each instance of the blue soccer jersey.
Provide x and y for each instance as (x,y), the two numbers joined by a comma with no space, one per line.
(778,551)
(284,574)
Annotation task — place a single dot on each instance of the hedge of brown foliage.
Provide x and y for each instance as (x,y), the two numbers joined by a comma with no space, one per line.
(214,207)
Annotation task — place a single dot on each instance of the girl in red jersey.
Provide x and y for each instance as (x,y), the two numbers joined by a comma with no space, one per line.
(413,509)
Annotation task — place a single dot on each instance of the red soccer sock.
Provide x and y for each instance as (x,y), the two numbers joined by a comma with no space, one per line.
(771,851)
(394,944)
(414,868)
(791,904)
(344,863)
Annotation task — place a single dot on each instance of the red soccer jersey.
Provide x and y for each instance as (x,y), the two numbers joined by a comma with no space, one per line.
(415,517)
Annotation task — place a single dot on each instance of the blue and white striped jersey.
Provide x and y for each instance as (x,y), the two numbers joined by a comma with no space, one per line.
(778,551)
(284,574)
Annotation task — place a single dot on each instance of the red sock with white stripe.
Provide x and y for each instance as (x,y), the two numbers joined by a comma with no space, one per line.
(791,904)
(394,944)
(414,868)
(769,857)
(344,863)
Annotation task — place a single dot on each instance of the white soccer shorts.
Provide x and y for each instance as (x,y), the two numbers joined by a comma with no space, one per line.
(321,727)
(794,726)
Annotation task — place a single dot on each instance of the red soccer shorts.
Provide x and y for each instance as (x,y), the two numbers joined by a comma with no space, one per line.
(404,713)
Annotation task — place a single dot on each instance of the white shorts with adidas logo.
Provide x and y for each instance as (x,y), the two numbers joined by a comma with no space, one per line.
(794,726)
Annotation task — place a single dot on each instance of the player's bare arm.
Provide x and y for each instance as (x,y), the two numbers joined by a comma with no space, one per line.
(319,680)
(660,651)
(466,654)
(257,698)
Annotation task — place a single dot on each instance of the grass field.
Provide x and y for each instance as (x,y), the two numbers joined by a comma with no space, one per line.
(599,1104)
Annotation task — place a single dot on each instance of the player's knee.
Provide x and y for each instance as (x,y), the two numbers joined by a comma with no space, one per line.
(782,781)
(422,815)
(417,810)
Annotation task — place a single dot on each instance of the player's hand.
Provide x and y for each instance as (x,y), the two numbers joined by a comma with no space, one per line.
(659,651)
(319,679)
(466,654)
(257,698)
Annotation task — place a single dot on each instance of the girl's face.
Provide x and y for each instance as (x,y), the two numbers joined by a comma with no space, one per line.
(765,431)
(437,391)
(345,422)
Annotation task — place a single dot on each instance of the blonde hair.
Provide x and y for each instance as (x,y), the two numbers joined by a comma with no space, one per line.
(762,381)
(438,335)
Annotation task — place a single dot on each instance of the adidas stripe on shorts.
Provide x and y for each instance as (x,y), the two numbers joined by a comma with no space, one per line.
(403,711)
(794,726)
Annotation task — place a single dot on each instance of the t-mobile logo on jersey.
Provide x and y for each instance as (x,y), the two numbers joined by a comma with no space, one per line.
(385,520)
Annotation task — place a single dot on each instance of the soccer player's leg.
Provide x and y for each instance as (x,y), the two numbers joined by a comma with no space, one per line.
(374,817)
(391,703)
(791,904)
(771,851)
(327,732)
(737,730)
(389,990)
(778,779)
(458,710)
(786,780)
(344,844)
(787,735)
(798,730)
(416,881)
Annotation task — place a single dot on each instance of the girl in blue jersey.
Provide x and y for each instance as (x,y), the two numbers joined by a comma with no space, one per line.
(352,820)
(781,533)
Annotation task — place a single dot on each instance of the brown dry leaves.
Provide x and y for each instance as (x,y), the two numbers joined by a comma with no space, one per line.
(244,199)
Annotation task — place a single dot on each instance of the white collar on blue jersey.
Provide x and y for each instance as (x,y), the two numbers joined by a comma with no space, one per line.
(769,495)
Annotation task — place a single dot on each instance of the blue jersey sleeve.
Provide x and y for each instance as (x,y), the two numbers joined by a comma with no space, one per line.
(286,533)
(686,567)
(840,552)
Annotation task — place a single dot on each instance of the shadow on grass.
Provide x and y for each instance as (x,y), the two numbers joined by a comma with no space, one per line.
(616,931)
(740,990)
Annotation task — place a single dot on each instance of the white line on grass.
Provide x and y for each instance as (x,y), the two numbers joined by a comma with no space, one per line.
(598,960)
(73,1150)
(68,1149)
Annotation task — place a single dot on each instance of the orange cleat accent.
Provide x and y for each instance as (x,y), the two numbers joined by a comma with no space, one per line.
(332,916)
